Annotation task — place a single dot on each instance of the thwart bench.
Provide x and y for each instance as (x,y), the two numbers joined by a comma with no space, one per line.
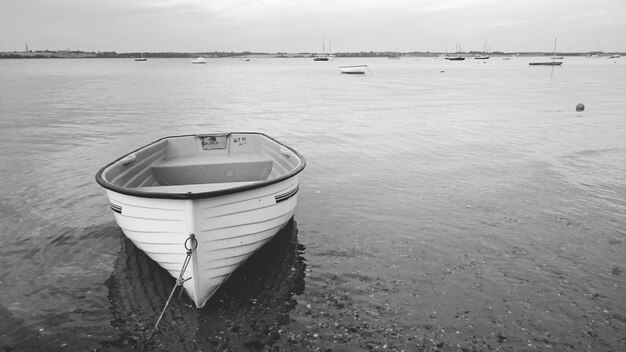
(197,174)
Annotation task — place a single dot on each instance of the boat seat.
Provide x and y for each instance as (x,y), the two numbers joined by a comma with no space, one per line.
(213,169)
(194,188)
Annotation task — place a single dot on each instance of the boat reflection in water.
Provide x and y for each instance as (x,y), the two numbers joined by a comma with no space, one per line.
(257,298)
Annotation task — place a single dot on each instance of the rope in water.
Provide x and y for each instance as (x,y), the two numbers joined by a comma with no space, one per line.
(190,245)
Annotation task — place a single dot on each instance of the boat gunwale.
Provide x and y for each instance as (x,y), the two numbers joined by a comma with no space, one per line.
(201,195)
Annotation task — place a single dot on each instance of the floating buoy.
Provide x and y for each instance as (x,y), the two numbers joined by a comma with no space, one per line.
(580,107)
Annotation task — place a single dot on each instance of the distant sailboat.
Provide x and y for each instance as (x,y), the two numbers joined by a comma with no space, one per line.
(548,63)
(485,54)
(458,56)
(330,51)
(141,58)
(323,56)
(554,55)
(595,54)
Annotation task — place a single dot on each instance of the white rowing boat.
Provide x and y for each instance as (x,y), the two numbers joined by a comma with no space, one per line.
(356,69)
(232,191)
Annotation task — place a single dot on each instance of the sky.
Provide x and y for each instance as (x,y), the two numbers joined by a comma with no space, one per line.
(295,26)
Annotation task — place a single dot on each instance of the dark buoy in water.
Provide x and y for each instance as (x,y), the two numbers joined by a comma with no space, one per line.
(580,107)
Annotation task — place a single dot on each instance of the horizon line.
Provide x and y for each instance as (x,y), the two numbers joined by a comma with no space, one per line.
(247,52)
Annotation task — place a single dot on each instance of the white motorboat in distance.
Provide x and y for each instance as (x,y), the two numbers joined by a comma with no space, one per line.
(199,60)
(232,191)
(355,69)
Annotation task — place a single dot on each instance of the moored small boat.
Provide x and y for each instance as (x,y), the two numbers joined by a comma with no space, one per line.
(141,58)
(232,191)
(355,69)
(324,56)
(546,63)
(549,63)
(199,60)
(321,57)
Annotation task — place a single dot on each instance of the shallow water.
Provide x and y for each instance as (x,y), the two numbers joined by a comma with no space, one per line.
(445,205)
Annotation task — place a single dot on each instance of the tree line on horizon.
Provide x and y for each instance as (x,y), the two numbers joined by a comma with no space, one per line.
(222,54)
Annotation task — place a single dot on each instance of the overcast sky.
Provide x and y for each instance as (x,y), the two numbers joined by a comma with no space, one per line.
(300,25)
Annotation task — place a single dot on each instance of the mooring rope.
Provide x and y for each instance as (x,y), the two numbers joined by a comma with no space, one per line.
(190,245)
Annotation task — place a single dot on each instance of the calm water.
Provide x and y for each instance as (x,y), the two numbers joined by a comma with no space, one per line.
(463,203)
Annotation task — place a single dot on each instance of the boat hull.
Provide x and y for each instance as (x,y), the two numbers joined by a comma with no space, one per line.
(354,70)
(549,63)
(228,230)
(232,192)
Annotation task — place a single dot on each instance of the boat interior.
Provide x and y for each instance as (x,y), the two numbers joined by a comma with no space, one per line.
(202,163)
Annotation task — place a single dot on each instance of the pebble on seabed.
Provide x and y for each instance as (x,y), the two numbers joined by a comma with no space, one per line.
(580,107)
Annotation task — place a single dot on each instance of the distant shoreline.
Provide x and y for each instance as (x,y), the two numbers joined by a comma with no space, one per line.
(77,54)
